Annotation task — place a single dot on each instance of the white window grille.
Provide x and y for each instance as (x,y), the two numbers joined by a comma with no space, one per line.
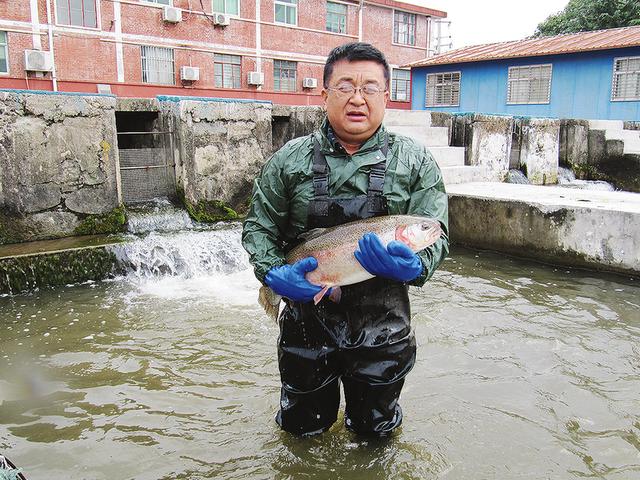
(79,13)
(286,11)
(227,71)
(284,76)
(4,53)
(626,79)
(443,89)
(404,27)
(161,2)
(229,7)
(158,65)
(336,17)
(529,84)
(400,84)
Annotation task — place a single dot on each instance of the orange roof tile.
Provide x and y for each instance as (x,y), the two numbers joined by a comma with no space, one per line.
(533,47)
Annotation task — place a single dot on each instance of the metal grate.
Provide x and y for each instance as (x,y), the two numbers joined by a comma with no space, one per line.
(147,173)
(404,27)
(626,79)
(400,84)
(284,76)
(158,65)
(529,85)
(443,89)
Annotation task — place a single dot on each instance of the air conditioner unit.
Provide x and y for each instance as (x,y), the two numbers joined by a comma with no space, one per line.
(309,83)
(191,74)
(255,78)
(172,14)
(37,61)
(221,19)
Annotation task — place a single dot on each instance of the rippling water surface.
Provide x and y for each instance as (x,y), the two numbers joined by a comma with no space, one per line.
(524,372)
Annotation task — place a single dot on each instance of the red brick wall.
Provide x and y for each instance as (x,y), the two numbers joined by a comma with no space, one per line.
(85,57)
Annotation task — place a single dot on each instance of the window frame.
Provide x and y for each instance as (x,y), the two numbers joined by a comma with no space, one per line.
(345,15)
(96,3)
(286,4)
(511,81)
(395,36)
(142,64)
(280,77)
(235,15)
(5,45)
(220,61)
(614,80)
(407,82)
(156,3)
(442,84)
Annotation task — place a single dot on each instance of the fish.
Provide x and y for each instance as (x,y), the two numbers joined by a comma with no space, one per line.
(334,249)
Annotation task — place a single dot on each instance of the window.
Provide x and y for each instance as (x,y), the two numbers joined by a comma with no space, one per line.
(404,28)
(4,53)
(161,2)
(443,89)
(79,13)
(230,7)
(158,65)
(286,11)
(336,17)
(530,84)
(284,76)
(400,80)
(626,79)
(226,69)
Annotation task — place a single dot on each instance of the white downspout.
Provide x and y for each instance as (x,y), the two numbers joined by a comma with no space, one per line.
(258,40)
(35,25)
(360,7)
(53,59)
(117,17)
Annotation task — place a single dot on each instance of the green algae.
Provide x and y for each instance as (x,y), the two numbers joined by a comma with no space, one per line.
(208,211)
(113,222)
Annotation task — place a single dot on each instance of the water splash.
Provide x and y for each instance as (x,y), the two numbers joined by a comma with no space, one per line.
(566,178)
(158,216)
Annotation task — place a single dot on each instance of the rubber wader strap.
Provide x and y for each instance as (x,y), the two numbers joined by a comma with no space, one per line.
(319,205)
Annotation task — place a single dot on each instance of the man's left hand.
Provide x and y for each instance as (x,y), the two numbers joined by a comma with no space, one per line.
(396,261)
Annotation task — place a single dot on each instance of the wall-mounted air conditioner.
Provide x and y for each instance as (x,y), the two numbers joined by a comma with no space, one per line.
(221,19)
(37,61)
(188,73)
(255,78)
(309,83)
(172,14)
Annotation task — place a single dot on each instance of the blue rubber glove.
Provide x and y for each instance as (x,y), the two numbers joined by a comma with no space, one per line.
(397,261)
(288,280)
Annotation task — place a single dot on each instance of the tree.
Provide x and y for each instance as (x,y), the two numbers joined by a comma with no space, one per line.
(588,15)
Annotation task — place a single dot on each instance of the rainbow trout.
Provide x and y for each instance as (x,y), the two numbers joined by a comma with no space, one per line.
(333,249)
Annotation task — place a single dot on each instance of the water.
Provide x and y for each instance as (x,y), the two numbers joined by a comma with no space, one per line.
(524,372)
(566,178)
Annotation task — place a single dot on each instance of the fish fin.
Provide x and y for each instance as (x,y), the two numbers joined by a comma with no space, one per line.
(311,234)
(335,295)
(318,296)
(270,301)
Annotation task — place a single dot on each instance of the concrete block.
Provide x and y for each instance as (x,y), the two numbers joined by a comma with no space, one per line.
(429,136)
(586,228)
(606,124)
(539,149)
(407,117)
(468,174)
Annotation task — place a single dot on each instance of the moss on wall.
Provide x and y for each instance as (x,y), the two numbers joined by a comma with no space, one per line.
(208,211)
(113,222)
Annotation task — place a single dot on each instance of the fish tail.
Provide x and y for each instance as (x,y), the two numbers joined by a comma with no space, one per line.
(270,301)
(318,296)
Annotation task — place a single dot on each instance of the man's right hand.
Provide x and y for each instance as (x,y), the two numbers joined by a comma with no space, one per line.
(289,281)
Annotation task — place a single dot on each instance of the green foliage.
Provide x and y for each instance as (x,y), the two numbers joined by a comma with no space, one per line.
(112,222)
(588,15)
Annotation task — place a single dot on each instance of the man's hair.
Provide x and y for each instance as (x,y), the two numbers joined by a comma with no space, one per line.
(354,52)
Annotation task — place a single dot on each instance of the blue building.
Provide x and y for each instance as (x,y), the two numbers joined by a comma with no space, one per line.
(589,75)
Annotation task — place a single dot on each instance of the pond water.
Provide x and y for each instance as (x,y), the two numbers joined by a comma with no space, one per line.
(524,371)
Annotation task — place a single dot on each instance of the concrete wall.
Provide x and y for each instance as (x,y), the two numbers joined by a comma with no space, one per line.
(58,162)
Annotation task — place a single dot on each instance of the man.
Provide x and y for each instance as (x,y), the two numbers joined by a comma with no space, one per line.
(350,169)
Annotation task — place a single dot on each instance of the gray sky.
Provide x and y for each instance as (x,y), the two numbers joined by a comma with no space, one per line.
(487,21)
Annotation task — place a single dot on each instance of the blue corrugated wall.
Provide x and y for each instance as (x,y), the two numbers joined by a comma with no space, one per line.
(580,87)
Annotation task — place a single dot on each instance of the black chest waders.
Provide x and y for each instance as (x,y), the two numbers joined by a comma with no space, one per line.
(365,341)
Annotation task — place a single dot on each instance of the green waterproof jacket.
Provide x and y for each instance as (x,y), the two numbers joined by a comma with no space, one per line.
(281,193)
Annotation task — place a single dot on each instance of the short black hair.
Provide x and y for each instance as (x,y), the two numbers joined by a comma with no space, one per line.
(353,52)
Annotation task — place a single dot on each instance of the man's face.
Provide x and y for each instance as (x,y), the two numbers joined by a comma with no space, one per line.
(356,116)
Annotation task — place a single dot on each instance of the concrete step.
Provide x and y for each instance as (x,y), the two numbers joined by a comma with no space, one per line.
(467,174)
(631,139)
(606,124)
(407,117)
(448,156)
(429,136)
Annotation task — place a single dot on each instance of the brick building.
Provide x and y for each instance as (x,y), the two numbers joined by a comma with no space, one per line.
(256,49)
